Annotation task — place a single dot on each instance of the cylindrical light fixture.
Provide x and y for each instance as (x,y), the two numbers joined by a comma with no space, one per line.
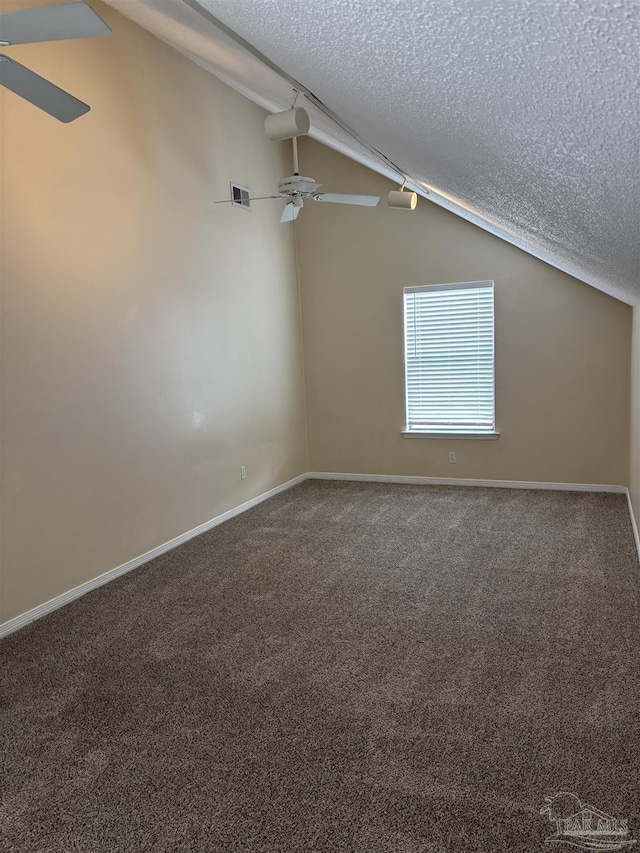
(291,123)
(403,200)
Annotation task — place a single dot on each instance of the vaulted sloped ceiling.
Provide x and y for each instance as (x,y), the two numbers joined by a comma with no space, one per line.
(519,115)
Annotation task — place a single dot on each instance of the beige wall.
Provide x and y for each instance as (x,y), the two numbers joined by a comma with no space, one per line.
(562,347)
(151,340)
(634,468)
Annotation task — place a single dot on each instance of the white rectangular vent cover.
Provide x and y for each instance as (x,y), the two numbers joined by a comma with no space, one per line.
(240,197)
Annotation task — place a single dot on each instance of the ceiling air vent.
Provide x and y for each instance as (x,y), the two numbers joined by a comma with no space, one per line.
(240,197)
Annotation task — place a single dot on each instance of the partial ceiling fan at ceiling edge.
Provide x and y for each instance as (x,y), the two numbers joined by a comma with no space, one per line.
(60,22)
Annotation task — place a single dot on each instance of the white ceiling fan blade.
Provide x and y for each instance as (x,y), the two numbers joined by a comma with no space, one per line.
(253,198)
(51,23)
(40,92)
(343,198)
(290,212)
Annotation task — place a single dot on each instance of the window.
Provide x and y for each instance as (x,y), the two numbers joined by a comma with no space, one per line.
(449,360)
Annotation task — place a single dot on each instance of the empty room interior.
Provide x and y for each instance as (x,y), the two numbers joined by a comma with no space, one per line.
(320,426)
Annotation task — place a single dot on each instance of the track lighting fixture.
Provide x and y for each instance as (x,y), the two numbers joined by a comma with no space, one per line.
(403,200)
(291,123)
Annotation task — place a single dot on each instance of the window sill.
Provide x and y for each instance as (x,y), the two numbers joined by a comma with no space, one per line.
(406,433)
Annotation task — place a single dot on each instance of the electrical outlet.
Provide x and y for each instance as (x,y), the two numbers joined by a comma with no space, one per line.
(452,456)
(243,472)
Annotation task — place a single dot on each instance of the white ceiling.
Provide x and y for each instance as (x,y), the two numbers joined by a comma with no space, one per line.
(520,115)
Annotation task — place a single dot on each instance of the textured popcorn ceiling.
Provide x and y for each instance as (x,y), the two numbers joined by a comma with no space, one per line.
(520,115)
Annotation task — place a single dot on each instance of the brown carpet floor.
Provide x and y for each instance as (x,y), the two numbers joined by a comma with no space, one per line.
(347,667)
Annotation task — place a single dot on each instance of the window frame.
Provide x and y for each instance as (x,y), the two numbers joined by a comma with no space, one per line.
(468,434)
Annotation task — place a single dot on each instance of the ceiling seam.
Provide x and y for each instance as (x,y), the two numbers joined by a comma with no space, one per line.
(297,85)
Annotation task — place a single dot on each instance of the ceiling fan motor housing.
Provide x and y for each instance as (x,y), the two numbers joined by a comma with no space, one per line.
(297,185)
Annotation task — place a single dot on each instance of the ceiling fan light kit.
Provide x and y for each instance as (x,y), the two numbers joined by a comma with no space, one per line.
(59,22)
(403,200)
(287,125)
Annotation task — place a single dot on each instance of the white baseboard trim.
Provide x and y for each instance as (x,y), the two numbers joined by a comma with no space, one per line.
(23,619)
(18,622)
(636,534)
(451,481)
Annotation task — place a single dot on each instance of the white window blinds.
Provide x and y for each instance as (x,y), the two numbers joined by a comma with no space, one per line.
(449,358)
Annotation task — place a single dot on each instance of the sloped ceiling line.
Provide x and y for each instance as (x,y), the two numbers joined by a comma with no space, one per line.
(522,120)
(300,87)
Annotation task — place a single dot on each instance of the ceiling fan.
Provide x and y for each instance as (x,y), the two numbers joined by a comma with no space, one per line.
(63,21)
(296,189)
